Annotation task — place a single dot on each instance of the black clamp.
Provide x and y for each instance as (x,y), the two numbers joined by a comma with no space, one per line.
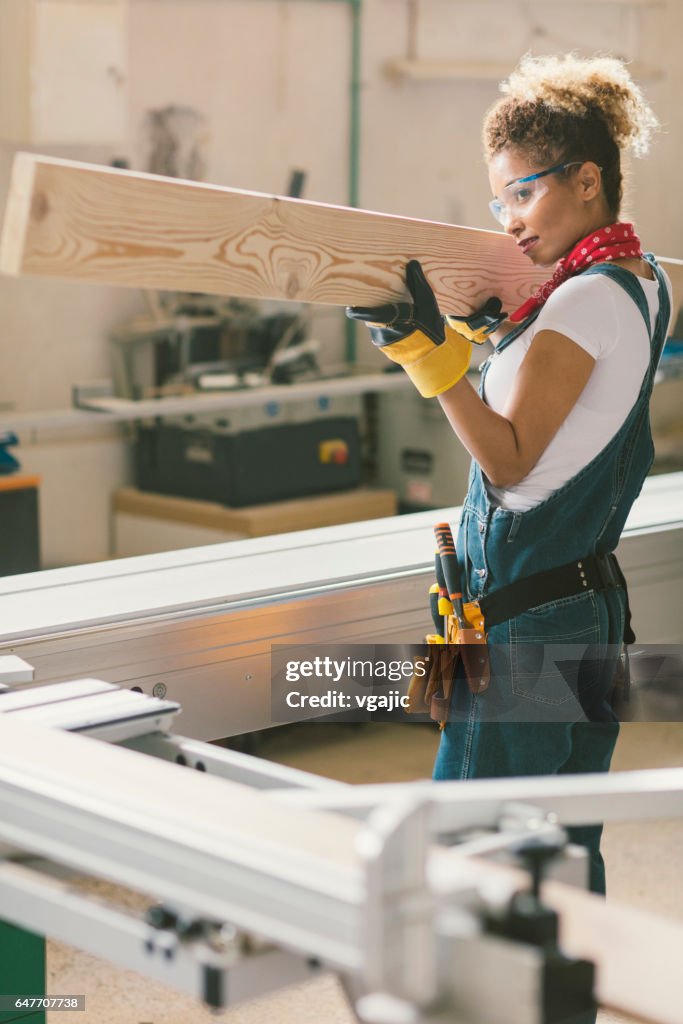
(566,984)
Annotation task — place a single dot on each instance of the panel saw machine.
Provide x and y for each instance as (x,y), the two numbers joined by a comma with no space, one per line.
(442,903)
(416,895)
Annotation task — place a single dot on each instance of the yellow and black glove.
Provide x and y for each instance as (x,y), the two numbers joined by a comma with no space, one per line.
(433,350)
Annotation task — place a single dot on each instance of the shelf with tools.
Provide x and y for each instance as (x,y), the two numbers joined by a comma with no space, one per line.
(432,70)
(106,409)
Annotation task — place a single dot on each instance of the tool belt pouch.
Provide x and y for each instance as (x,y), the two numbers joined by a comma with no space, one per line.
(439,690)
(417,687)
(432,677)
(472,645)
(432,684)
(440,707)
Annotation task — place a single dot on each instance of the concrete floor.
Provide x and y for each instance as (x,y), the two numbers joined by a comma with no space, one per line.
(643,866)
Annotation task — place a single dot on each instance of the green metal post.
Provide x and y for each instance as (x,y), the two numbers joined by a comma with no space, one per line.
(354,142)
(22,971)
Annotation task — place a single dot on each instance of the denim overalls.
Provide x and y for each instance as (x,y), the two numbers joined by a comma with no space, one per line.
(498,546)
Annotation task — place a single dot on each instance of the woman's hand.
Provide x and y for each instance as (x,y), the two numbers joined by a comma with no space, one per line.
(433,350)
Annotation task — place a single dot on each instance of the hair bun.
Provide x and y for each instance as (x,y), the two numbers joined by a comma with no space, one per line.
(583,88)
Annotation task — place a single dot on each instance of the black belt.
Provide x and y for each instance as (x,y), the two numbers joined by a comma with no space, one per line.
(596,572)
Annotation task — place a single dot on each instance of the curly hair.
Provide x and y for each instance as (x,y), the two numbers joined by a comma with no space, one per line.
(564,108)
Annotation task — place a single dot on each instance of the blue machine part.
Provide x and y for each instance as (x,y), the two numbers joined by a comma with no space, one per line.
(8,463)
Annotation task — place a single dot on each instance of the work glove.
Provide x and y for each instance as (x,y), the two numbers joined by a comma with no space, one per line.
(434,351)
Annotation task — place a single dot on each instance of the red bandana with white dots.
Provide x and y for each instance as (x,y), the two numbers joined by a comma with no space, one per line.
(611,243)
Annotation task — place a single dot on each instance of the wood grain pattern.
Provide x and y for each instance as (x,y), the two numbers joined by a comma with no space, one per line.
(92,223)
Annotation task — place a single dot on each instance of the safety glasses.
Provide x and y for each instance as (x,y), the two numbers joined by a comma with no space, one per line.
(521,195)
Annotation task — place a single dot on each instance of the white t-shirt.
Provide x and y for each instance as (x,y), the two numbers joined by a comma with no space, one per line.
(597,314)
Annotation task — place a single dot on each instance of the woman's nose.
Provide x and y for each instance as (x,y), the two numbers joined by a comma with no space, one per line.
(513,224)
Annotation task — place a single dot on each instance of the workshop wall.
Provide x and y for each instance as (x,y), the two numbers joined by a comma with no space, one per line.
(422,153)
(270,79)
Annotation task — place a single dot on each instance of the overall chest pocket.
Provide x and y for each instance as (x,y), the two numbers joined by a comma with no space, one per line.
(552,648)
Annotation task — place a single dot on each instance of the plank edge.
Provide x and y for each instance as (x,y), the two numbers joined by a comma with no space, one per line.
(17,213)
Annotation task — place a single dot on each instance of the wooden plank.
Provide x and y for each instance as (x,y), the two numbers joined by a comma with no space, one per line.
(85,222)
(92,223)
(637,953)
(674,269)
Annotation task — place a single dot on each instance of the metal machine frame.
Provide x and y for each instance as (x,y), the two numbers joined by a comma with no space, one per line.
(267,875)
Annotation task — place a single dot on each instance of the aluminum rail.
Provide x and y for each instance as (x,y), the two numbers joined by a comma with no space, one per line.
(224,850)
(49,906)
(264,569)
(233,765)
(197,626)
(237,574)
(479,803)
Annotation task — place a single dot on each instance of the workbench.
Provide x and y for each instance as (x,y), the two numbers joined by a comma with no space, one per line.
(20,535)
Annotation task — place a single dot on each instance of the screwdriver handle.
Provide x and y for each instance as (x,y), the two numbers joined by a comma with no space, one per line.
(438,569)
(445,606)
(437,619)
(450,568)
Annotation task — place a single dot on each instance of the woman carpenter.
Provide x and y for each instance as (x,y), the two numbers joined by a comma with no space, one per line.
(559,433)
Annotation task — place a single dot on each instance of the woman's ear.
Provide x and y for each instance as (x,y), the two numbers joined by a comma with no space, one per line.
(589,181)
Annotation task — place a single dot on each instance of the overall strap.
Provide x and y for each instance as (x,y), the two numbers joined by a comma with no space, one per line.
(507,340)
(627,280)
(630,282)
(517,330)
(631,285)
